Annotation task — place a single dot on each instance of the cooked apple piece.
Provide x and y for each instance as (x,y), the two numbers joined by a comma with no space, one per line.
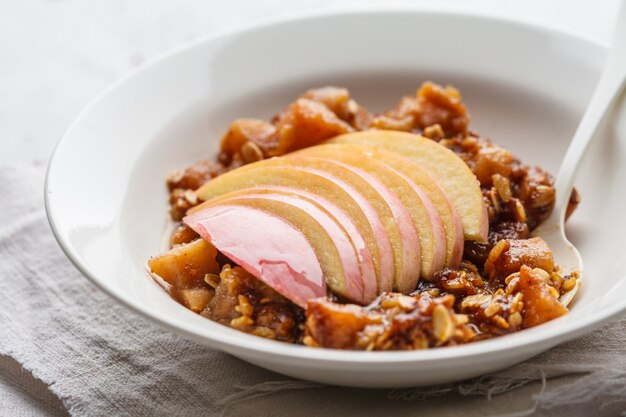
(195,299)
(539,304)
(182,234)
(242,131)
(508,256)
(426,219)
(336,326)
(394,215)
(266,246)
(339,192)
(349,270)
(186,265)
(454,176)
(305,123)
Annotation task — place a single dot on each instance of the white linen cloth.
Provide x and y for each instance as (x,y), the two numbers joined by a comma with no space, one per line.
(100,359)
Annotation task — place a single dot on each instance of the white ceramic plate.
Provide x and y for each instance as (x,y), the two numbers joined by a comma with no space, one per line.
(525,86)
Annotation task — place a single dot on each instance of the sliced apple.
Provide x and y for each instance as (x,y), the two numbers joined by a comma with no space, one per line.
(347,266)
(447,212)
(394,215)
(452,223)
(339,192)
(255,240)
(445,166)
(426,219)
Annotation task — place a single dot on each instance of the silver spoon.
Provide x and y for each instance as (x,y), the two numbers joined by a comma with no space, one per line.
(607,90)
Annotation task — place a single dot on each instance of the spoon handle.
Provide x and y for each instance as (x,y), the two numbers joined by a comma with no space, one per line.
(608,88)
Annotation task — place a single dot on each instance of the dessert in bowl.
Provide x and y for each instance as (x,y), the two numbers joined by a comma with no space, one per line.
(334,227)
(108,206)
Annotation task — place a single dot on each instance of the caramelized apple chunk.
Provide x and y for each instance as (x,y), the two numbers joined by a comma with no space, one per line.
(336,325)
(540,304)
(509,255)
(335,98)
(442,106)
(195,299)
(186,265)
(477,253)
(489,161)
(184,268)
(307,123)
(394,322)
(183,234)
(251,139)
(317,115)
(432,105)
(339,102)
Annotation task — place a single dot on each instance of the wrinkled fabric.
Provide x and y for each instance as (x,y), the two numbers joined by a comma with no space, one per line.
(100,359)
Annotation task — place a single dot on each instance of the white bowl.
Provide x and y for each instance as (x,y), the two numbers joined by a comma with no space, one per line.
(525,86)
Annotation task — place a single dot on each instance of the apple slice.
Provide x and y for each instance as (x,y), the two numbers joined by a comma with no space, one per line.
(339,192)
(293,270)
(351,273)
(406,245)
(447,212)
(426,219)
(452,223)
(395,217)
(454,176)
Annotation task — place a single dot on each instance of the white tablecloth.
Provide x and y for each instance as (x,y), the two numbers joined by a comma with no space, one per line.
(56,55)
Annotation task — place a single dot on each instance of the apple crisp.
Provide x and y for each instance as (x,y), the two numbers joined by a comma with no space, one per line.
(500,282)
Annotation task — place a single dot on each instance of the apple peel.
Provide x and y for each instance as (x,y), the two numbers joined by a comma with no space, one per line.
(263,253)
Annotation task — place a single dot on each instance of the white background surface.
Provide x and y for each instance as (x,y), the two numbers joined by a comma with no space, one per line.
(56,55)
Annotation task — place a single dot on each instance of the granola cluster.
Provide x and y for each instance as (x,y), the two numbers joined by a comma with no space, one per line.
(393,322)
(459,306)
(243,302)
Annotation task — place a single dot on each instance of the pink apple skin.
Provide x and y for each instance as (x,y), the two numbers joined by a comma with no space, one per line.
(438,260)
(408,233)
(365,256)
(256,241)
(382,238)
(360,277)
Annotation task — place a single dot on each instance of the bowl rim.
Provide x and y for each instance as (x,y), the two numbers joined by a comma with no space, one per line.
(229,338)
